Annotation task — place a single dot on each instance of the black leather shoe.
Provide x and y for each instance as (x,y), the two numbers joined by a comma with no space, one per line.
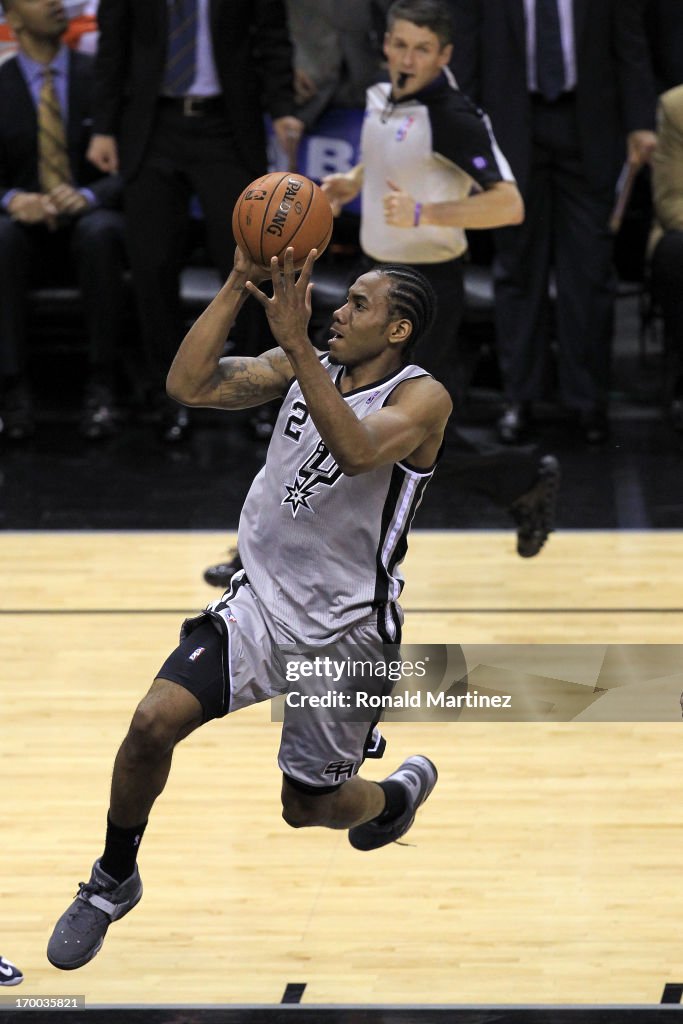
(594,426)
(221,574)
(99,417)
(18,417)
(534,512)
(513,423)
(175,424)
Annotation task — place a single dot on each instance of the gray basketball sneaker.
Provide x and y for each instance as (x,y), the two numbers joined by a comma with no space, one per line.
(80,931)
(418,776)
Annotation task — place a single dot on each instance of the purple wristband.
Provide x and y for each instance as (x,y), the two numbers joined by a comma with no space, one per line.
(416,214)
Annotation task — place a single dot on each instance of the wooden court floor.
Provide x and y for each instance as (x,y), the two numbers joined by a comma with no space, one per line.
(546,868)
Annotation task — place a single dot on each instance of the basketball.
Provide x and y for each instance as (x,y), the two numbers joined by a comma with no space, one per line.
(278,210)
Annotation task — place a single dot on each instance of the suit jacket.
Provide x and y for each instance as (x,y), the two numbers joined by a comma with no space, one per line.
(19,132)
(252,51)
(667,165)
(664,28)
(614,94)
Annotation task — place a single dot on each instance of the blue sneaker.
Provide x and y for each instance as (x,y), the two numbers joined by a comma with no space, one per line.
(418,776)
(9,973)
(80,931)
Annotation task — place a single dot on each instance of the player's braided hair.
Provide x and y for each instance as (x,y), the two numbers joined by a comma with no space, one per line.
(411,296)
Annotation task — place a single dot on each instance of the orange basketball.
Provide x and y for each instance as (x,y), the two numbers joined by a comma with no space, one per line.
(279,210)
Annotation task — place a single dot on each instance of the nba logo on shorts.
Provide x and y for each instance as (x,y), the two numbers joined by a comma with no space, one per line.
(198,651)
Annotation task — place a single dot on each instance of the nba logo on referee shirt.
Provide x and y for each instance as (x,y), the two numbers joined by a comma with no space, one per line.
(402,129)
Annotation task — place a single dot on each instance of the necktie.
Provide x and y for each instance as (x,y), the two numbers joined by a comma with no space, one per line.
(53,158)
(549,56)
(181,56)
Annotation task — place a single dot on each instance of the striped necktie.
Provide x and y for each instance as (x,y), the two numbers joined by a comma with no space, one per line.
(550,78)
(53,158)
(181,56)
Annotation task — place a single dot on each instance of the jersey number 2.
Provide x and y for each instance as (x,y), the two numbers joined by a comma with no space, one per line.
(298,417)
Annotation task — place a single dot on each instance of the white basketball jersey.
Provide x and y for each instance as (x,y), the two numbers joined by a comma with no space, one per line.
(322,550)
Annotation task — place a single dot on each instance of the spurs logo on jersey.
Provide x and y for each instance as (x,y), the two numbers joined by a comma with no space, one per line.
(318,470)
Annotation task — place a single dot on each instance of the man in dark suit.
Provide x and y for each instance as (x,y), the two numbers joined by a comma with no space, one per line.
(58,214)
(181,90)
(568,87)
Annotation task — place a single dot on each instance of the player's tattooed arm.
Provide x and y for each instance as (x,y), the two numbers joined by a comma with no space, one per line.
(246,382)
(200,376)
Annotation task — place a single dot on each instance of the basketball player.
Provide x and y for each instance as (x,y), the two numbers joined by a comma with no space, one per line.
(322,535)
(9,973)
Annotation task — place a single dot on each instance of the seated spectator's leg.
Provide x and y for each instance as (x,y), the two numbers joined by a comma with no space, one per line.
(17,243)
(667,287)
(99,254)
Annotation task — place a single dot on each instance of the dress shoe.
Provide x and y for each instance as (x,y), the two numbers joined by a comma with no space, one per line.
(534,512)
(99,415)
(513,423)
(18,416)
(175,423)
(594,426)
(221,574)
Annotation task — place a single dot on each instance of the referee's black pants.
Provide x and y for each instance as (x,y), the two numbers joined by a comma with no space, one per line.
(500,474)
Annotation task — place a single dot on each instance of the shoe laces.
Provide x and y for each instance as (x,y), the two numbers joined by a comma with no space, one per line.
(86,889)
(83,911)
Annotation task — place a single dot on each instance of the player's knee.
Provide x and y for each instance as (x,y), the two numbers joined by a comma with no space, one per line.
(301,811)
(150,736)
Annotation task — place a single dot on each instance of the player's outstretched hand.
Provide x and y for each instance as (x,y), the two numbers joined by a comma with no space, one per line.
(289,310)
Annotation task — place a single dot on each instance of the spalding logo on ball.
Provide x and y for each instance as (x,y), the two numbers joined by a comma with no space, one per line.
(279,210)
